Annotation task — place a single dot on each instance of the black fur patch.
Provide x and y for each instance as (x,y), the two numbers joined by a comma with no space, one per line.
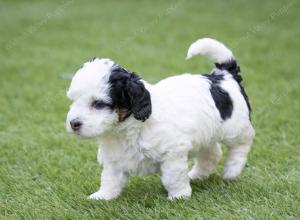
(129,93)
(234,69)
(231,66)
(221,98)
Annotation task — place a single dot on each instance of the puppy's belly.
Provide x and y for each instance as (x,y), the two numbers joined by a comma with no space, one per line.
(144,167)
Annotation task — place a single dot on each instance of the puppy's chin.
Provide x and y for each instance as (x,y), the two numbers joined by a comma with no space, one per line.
(82,135)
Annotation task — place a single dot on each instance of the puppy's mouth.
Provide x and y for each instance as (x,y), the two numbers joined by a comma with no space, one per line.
(81,135)
(77,133)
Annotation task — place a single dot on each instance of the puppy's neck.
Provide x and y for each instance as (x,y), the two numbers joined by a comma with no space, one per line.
(125,131)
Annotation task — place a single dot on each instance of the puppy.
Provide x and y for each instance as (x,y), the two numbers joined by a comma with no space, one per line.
(145,128)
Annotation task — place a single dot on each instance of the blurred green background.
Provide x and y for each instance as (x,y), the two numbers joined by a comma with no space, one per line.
(46,173)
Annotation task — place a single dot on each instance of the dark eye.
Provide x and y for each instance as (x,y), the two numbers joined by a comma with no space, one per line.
(98,104)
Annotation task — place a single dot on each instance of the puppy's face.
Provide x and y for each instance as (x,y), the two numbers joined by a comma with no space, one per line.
(104,95)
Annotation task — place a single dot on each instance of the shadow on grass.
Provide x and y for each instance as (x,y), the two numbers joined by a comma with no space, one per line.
(147,195)
(150,188)
(213,182)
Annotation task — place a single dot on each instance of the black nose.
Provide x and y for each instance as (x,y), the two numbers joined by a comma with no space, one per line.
(75,124)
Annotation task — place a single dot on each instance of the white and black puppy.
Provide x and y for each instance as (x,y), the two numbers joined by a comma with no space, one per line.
(144,128)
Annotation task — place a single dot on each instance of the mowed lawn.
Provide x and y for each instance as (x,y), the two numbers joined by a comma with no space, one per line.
(46,173)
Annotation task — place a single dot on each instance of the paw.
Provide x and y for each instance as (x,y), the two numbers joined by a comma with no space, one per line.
(100,195)
(231,172)
(183,194)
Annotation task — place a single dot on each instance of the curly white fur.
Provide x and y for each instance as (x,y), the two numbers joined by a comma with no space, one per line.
(215,50)
(184,123)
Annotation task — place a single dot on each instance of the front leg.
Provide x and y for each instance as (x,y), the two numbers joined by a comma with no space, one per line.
(175,177)
(112,182)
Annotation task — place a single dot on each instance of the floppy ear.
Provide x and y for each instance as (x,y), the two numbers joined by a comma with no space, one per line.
(140,99)
(129,95)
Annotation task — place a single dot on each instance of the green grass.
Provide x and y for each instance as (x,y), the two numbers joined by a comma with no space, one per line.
(47,174)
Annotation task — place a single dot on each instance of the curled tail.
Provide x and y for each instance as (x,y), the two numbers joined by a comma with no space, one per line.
(221,56)
(216,52)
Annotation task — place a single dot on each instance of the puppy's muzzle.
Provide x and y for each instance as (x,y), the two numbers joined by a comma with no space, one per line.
(75,124)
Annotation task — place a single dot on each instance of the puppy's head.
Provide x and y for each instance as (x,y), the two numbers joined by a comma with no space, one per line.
(104,94)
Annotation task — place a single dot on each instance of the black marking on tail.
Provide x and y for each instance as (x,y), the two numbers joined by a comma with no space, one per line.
(221,98)
(234,69)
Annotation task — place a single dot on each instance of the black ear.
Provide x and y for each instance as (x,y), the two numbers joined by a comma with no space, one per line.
(129,95)
(140,99)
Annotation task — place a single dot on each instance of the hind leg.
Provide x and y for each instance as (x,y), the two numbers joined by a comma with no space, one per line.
(206,162)
(236,160)
(237,156)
